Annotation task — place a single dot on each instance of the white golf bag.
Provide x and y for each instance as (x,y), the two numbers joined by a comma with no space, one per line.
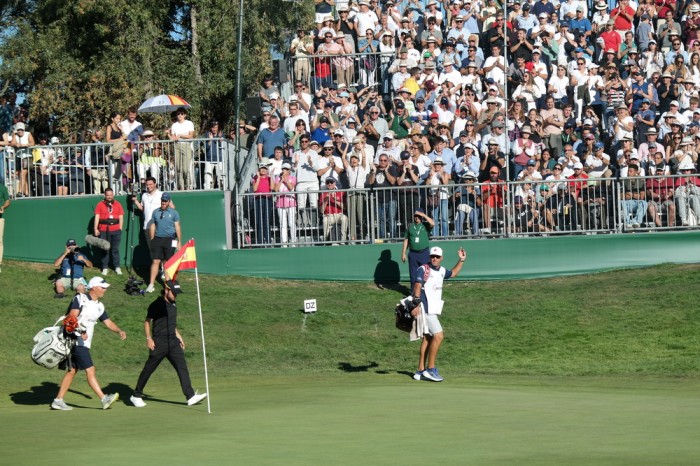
(52,346)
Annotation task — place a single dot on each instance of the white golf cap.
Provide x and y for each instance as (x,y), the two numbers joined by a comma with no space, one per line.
(434,251)
(98,282)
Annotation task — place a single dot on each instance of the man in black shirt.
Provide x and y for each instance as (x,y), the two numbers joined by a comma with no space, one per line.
(164,341)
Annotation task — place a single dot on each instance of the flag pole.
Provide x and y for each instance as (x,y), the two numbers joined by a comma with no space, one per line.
(204,348)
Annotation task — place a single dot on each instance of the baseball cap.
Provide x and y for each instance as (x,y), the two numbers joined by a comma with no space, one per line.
(71,242)
(531,163)
(98,282)
(436,251)
(165,197)
(287,165)
(405,155)
(174,286)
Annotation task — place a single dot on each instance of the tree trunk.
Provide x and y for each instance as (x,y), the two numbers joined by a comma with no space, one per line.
(196,62)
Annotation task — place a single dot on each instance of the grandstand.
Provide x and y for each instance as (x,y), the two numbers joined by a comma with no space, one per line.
(535,120)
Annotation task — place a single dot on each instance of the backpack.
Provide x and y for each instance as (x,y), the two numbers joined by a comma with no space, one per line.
(52,346)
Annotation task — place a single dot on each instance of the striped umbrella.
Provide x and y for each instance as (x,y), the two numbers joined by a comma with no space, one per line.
(163,103)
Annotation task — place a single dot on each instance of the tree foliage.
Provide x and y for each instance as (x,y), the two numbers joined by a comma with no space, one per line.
(78,61)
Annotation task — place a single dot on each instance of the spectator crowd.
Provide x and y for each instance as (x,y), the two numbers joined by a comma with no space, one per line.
(490,107)
(532,116)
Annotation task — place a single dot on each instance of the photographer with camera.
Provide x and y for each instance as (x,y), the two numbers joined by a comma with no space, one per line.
(71,263)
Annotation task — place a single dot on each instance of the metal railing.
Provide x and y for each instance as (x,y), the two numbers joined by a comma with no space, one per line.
(353,69)
(470,210)
(77,169)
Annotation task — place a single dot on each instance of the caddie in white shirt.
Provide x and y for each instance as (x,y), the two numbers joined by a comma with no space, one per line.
(88,310)
(427,296)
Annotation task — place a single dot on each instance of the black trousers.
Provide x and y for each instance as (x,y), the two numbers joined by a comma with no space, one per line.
(166,348)
(115,238)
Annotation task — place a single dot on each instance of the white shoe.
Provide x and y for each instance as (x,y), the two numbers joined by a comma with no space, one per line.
(105,271)
(150,288)
(118,271)
(137,402)
(109,399)
(196,398)
(60,405)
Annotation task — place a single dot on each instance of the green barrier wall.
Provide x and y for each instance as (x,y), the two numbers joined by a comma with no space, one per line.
(515,258)
(36,230)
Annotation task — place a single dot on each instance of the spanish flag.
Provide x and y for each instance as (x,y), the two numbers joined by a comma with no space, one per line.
(183,259)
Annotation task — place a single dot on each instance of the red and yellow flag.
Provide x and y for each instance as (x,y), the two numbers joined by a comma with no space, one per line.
(185,258)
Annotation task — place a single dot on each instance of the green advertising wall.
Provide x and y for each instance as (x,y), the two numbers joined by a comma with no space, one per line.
(487,259)
(36,230)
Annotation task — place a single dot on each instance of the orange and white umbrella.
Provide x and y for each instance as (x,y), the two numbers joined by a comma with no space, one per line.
(163,103)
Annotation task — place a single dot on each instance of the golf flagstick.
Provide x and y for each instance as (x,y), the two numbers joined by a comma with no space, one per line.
(204,347)
(186,258)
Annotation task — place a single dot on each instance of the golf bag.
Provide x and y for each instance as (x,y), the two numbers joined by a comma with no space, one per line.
(404,319)
(52,346)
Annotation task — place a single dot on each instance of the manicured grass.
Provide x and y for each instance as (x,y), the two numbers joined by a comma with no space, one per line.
(599,369)
(378,419)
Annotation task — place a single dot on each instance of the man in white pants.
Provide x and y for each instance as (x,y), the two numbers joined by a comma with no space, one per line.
(427,296)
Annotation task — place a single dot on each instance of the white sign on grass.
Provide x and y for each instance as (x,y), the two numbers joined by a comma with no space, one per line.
(309,305)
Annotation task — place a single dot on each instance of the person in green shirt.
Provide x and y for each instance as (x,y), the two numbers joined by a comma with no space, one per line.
(400,121)
(416,242)
(4,204)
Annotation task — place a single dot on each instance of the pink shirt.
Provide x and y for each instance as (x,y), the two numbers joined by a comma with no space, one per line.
(285,198)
